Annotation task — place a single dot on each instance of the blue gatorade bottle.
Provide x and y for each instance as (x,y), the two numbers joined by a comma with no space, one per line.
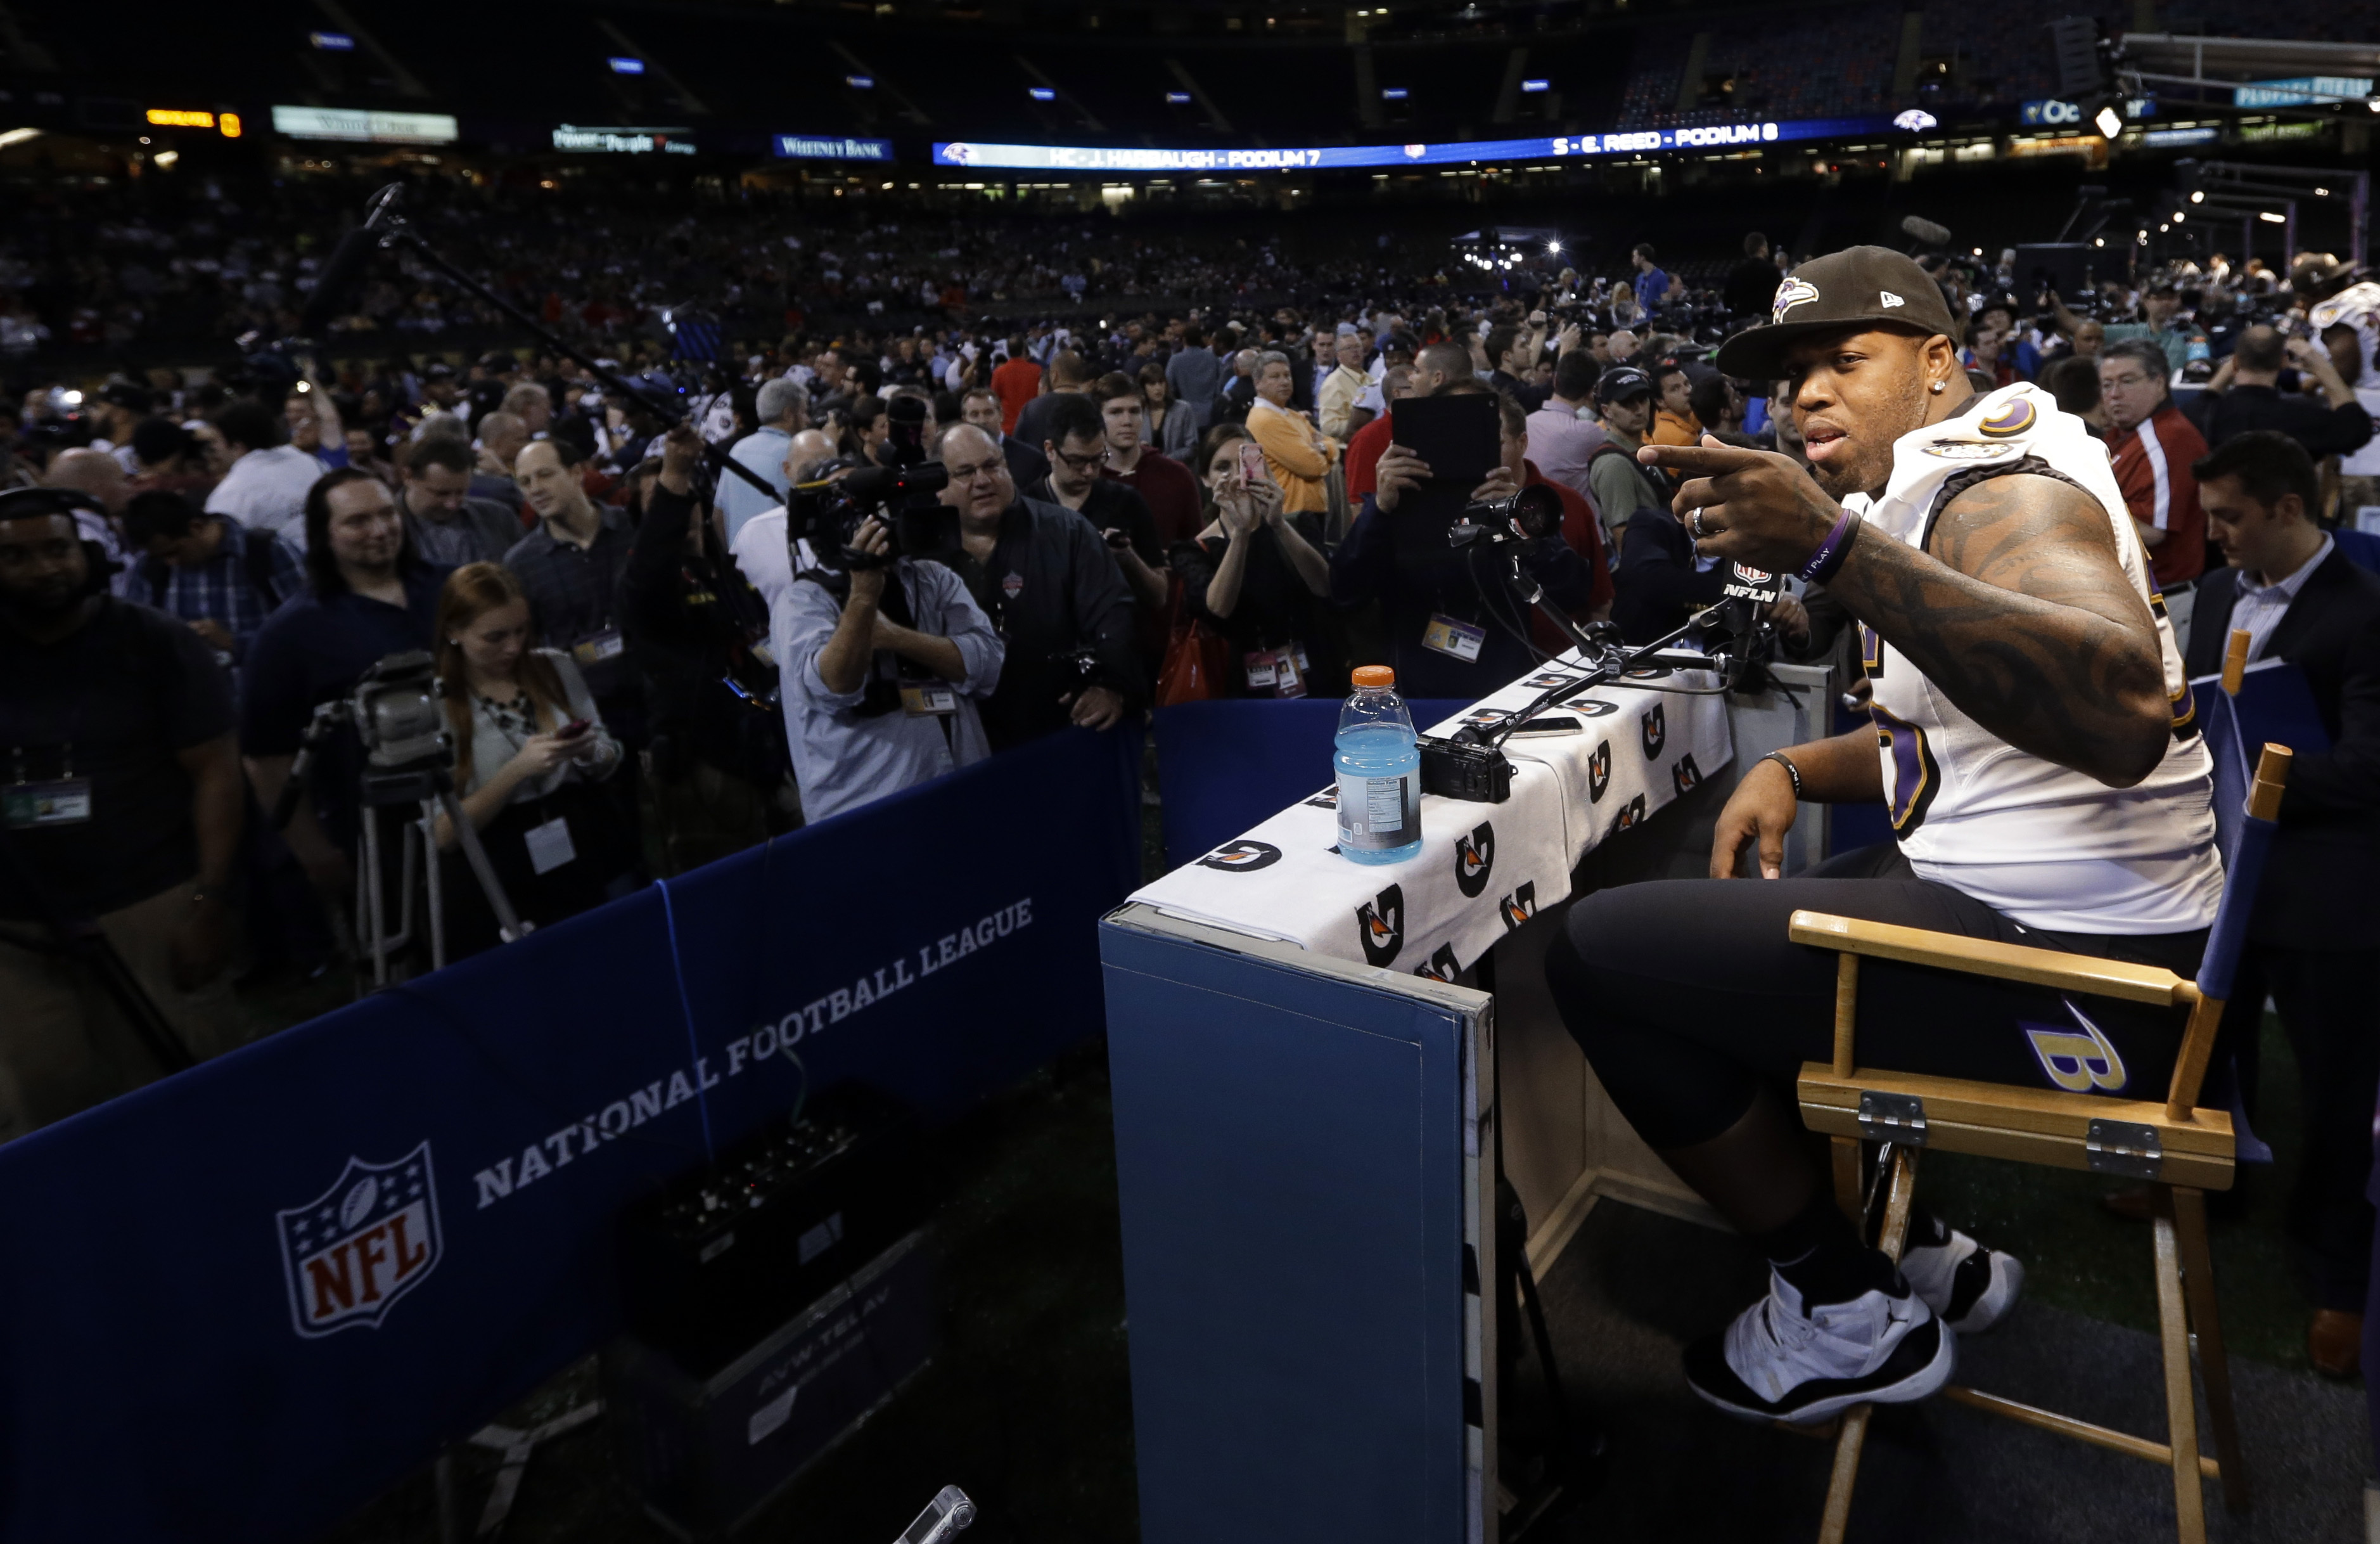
(1379,772)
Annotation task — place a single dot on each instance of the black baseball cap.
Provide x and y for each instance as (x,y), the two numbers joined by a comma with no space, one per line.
(1858,286)
(1622,381)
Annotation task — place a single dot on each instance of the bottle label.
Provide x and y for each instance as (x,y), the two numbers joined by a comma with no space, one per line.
(1377,813)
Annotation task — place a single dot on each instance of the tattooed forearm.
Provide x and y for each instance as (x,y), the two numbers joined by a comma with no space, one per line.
(2019,611)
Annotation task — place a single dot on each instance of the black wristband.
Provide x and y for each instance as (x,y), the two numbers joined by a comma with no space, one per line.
(1791,771)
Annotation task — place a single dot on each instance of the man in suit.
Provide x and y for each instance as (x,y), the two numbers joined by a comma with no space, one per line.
(2313,943)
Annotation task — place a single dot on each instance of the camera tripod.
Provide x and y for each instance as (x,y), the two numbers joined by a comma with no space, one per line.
(426,782)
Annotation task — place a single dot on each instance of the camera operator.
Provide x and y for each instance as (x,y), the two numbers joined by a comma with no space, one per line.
(1053,592)
(881,680)
(368,595)
(122,808)
(698,633)
(2245,395)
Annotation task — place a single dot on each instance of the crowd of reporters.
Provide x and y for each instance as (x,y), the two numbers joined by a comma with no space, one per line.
(648,661)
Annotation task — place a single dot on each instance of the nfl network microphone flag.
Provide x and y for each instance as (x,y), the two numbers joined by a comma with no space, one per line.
(240,1302)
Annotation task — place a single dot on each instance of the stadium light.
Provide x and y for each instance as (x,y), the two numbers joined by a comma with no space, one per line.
(1040,93)
(860,82)
(2272,219)
(332,42)
(18,135)
(626,66)
(2198,198)
(1392,93)
(2110,122)
(1178,99)
(1536,85)
(1553,248)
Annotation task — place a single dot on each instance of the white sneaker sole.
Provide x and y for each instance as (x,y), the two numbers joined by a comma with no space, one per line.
(2008,1284)
(1921,1384)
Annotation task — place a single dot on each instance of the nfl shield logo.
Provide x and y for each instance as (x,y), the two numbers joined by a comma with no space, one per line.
(352,1251)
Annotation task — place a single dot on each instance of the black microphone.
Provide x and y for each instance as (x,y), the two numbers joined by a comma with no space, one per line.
(339,277)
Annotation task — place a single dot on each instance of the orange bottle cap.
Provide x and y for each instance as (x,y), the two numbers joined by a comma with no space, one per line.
(1375,675)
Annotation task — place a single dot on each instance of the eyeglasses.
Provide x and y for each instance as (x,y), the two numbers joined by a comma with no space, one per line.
(1081,463)
(968,474)
(2126,380)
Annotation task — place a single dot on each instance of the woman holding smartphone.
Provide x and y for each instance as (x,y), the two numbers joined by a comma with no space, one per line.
(1257,577)
(529,749)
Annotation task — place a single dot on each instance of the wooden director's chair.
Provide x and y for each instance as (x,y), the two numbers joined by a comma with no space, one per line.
(2183,1151)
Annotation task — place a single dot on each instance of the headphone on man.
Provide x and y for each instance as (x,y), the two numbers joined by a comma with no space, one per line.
(32,503)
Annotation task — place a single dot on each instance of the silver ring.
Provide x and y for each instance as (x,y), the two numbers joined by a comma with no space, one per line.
(1694,522)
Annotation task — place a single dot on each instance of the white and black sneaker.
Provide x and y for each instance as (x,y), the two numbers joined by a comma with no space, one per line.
(1970,1288)
(1791,1360)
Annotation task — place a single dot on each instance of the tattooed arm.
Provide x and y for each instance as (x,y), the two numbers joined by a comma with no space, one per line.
(2018,610)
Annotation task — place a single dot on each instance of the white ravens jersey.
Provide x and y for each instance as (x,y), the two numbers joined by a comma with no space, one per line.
(2044,844)
(2358,306)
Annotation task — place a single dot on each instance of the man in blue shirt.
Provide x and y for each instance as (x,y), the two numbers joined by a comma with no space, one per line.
(1652,284)
(784,411)
(366,596)
(213,573)
(880,693)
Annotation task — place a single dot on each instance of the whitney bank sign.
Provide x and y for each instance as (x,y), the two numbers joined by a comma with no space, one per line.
(830,147)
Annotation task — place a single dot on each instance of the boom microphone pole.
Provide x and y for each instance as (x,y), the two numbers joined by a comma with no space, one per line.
(386,227)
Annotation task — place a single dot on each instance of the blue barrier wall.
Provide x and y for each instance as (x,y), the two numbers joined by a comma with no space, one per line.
(236,1304)
(1228,765)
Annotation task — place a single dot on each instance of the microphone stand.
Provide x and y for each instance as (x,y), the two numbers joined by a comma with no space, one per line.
(383,217)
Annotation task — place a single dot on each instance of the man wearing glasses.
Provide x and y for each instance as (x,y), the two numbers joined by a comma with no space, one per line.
(1077,455)
(2152,446)
(1044,576)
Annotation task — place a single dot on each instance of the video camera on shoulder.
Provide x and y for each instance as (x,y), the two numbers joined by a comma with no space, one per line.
(829,510)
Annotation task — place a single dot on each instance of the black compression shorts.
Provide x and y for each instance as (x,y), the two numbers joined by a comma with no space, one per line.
(1686,996)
